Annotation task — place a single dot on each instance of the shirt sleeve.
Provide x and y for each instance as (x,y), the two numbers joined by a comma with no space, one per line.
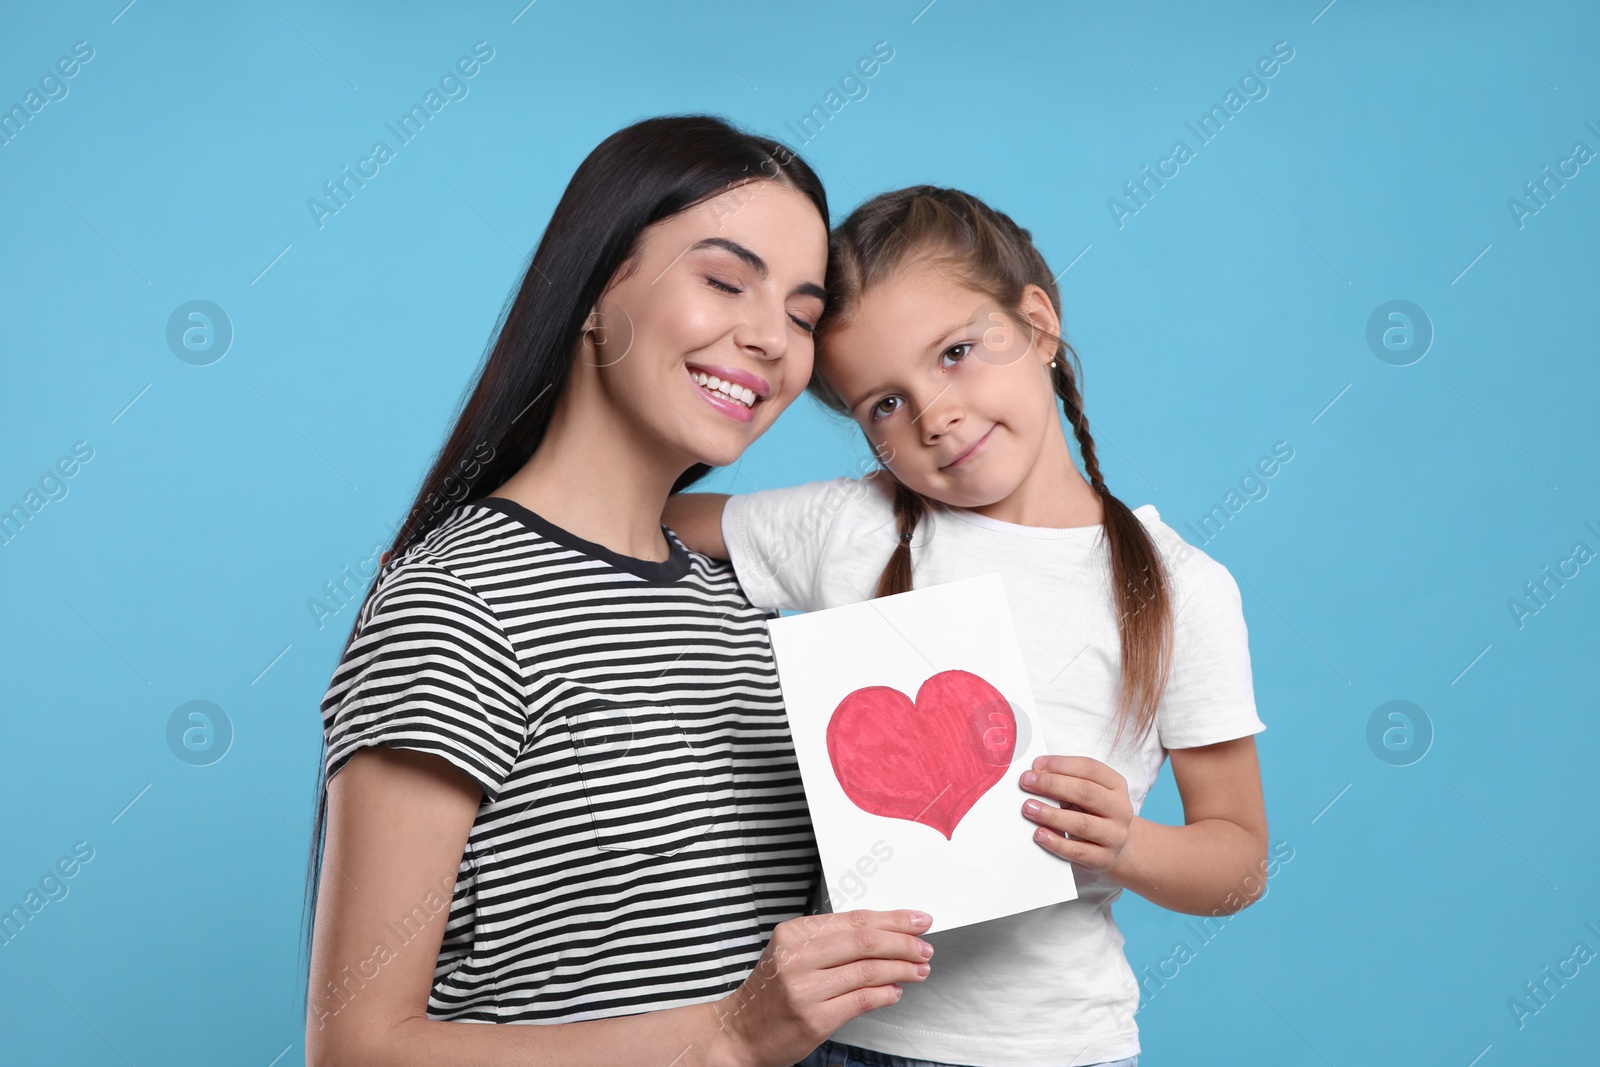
(430,669)
(1210,696)
(776,539)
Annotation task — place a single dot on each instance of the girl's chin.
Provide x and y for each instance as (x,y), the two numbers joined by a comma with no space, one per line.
(973,496)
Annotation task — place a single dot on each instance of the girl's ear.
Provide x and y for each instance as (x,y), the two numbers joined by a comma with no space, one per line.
(1038,310)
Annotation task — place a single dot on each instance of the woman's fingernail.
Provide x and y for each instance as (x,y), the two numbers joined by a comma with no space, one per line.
(1029,778)
(922,970)
(921,918)
(1031,807)
(925,948)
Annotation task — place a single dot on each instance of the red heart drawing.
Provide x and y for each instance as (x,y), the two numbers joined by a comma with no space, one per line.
(928,761)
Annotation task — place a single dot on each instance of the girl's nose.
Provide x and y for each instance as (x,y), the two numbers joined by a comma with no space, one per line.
(936,418)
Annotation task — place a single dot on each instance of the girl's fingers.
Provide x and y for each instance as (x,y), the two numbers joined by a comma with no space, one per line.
(1069,789)
(1078,823)
(1083,853)
(1080,767)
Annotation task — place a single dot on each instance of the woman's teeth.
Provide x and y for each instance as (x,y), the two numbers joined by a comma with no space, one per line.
(747,397)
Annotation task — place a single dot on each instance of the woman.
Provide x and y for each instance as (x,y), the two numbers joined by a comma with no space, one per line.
(558,785)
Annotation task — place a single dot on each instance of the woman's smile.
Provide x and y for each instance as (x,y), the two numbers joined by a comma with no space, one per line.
(732,391)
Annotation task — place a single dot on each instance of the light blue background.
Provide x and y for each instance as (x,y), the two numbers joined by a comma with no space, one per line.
(1228,314)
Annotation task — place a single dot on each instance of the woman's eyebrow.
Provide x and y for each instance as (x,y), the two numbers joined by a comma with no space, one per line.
(757,264)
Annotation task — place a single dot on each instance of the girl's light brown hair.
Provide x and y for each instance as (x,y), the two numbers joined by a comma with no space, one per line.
(987,252)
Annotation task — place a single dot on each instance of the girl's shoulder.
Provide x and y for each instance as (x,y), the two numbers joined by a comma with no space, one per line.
(1189,566)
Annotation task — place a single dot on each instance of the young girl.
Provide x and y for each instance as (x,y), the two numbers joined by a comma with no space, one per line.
(942,340)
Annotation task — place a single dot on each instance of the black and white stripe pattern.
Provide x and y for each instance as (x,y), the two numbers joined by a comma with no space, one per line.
(643,826)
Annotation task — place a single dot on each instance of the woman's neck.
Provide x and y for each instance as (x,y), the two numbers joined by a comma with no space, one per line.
(595,478)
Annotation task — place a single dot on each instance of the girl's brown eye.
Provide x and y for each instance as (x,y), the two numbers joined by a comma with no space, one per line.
(965,346)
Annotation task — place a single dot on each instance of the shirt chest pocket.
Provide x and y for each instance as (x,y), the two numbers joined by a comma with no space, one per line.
(647,787)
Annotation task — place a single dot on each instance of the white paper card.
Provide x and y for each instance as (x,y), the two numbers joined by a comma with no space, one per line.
(912,720)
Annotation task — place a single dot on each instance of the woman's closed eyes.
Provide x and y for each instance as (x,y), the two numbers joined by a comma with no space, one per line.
(733,290)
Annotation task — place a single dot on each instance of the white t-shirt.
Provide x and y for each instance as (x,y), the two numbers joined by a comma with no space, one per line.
(1049,987)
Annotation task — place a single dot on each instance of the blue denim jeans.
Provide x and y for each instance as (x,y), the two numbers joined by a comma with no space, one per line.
(838,1054)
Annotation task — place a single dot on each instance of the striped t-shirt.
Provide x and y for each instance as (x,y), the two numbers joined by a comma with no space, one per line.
(643,826)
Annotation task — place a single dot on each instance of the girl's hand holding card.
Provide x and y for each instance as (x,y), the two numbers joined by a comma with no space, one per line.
(1090,826)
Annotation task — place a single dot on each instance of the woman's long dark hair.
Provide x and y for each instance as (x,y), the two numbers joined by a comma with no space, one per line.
(636,177)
